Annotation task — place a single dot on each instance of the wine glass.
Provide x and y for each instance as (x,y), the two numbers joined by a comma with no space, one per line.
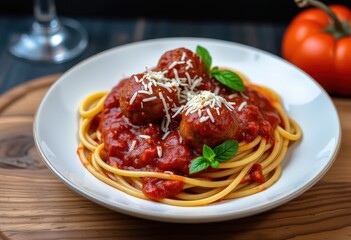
(50,39)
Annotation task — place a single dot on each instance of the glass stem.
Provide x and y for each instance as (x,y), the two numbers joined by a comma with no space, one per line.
(45,16)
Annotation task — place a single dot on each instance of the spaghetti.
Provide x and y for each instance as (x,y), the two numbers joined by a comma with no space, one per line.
(141,137)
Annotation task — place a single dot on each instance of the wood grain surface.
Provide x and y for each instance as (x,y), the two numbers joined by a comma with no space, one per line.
(34,204)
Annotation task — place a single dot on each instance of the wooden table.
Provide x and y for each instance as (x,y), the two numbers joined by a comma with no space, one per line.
(34,204)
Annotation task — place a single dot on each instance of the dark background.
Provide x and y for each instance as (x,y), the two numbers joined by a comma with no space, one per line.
(277,11)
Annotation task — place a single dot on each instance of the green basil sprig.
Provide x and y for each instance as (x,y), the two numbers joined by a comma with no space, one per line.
(212,157)
(226,77)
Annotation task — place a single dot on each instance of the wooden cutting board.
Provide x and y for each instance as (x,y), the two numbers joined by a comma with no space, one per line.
(34,204)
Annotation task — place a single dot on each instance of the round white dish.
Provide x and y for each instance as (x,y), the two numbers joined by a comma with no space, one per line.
(56,126)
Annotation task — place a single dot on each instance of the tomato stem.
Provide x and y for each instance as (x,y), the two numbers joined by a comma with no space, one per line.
(338,29)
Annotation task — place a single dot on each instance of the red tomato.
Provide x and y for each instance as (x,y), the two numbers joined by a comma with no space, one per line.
(320,53)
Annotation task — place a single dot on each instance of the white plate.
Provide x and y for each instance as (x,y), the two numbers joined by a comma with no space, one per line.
(56,126)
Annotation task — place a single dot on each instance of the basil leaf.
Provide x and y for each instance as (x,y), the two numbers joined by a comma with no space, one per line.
(214,70)
(205,56)
(212,157)
(208,153)
(226,150)
(199,164)
(228,78)
(214,164)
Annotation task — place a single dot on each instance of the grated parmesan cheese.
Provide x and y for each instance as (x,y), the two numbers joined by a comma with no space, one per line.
(204,119)
(188,64)
(146,92)
(167,120)
(242,105)
(149,99)
(244,95)
(159,151)
(165,135)
(144,136)
(173,65)
(179,110)
(183,56)
(132,99)
(204,101)
(136,78)
(233,95)
(132,146)
(210,114)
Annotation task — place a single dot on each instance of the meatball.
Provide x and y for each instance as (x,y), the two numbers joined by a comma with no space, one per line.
(184,61)
(147,97)
(208,119)
(112,99)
